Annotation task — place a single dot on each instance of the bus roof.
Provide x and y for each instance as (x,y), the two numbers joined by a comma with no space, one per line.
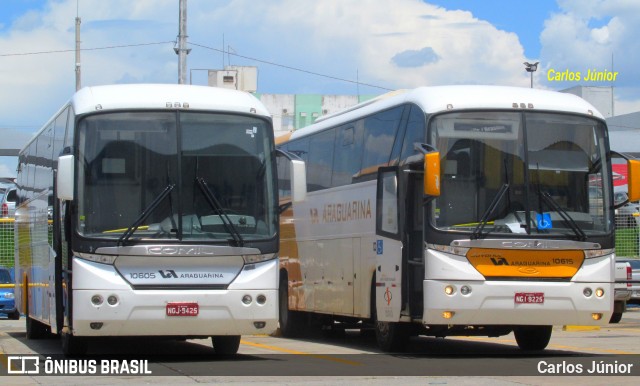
(455,98)
(162,96)
(158,96)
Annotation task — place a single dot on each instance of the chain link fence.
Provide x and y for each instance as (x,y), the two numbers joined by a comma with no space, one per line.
(628,235)
(6,242)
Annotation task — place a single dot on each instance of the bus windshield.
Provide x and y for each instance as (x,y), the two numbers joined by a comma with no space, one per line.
(141,176)
(528,173)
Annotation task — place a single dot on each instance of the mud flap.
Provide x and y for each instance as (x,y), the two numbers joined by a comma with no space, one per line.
(388,279)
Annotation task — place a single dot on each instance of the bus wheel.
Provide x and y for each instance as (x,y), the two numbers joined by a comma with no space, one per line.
(73,346)
(226,344)
(391,336)
(289,320)
(532,338)
(15,315)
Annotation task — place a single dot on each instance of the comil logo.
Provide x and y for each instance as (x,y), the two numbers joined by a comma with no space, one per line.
(169,273)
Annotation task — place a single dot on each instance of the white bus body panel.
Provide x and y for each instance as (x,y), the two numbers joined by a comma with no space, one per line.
(143,312)
(492,302)
(335,233)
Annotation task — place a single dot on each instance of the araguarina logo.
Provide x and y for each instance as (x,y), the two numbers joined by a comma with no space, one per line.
(169,273)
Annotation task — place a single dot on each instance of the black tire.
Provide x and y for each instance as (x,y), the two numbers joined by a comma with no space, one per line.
(532,338)
(226,344)
(616,317)
(15,315)
(73,346)
(290,321)
(391,336)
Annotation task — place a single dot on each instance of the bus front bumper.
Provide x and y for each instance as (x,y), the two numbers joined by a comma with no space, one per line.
(152,313)
(494,303)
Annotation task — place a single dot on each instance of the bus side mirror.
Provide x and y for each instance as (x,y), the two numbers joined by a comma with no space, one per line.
(432,174)
(633,179)
(64,185)
(298,181)
(298,175)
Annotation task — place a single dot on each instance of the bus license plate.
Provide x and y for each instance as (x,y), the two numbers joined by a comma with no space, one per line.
(529,297)
(182,309)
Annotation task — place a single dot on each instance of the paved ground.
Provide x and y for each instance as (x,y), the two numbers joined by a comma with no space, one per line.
(353,358)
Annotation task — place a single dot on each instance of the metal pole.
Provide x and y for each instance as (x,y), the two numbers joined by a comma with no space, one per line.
(78,82)
(182,51)
(531,79)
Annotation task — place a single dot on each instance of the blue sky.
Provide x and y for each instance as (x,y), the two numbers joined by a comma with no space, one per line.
(385,44)
(525,18)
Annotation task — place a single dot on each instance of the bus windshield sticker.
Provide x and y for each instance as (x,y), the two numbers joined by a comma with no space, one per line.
(544,221)
(252,132)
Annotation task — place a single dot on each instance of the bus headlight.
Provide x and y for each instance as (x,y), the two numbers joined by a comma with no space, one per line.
(252,259)
(454,250)
(599,292)
(592,253)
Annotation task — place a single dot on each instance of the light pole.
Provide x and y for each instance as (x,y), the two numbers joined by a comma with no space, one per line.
(531,68)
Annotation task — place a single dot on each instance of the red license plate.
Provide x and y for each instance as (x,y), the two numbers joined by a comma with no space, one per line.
(182,309)
(529,297)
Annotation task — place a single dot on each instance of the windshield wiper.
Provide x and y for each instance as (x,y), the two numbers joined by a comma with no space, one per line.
(565,216)
(145,214)
(215,204)
(485,216)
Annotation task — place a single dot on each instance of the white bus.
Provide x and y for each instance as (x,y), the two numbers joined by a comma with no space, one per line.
(511,228)
(149,210)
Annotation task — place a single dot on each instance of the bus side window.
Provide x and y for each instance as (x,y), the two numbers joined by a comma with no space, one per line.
(320,160)
(380,133)
(347,155)
(415,132)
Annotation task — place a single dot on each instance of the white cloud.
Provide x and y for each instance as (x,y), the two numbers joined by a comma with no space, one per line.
(342,37)
(335,37)
(339,38)
(589,35)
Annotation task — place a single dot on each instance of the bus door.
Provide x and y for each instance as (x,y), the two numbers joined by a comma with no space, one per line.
(388,244)
(414,242)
